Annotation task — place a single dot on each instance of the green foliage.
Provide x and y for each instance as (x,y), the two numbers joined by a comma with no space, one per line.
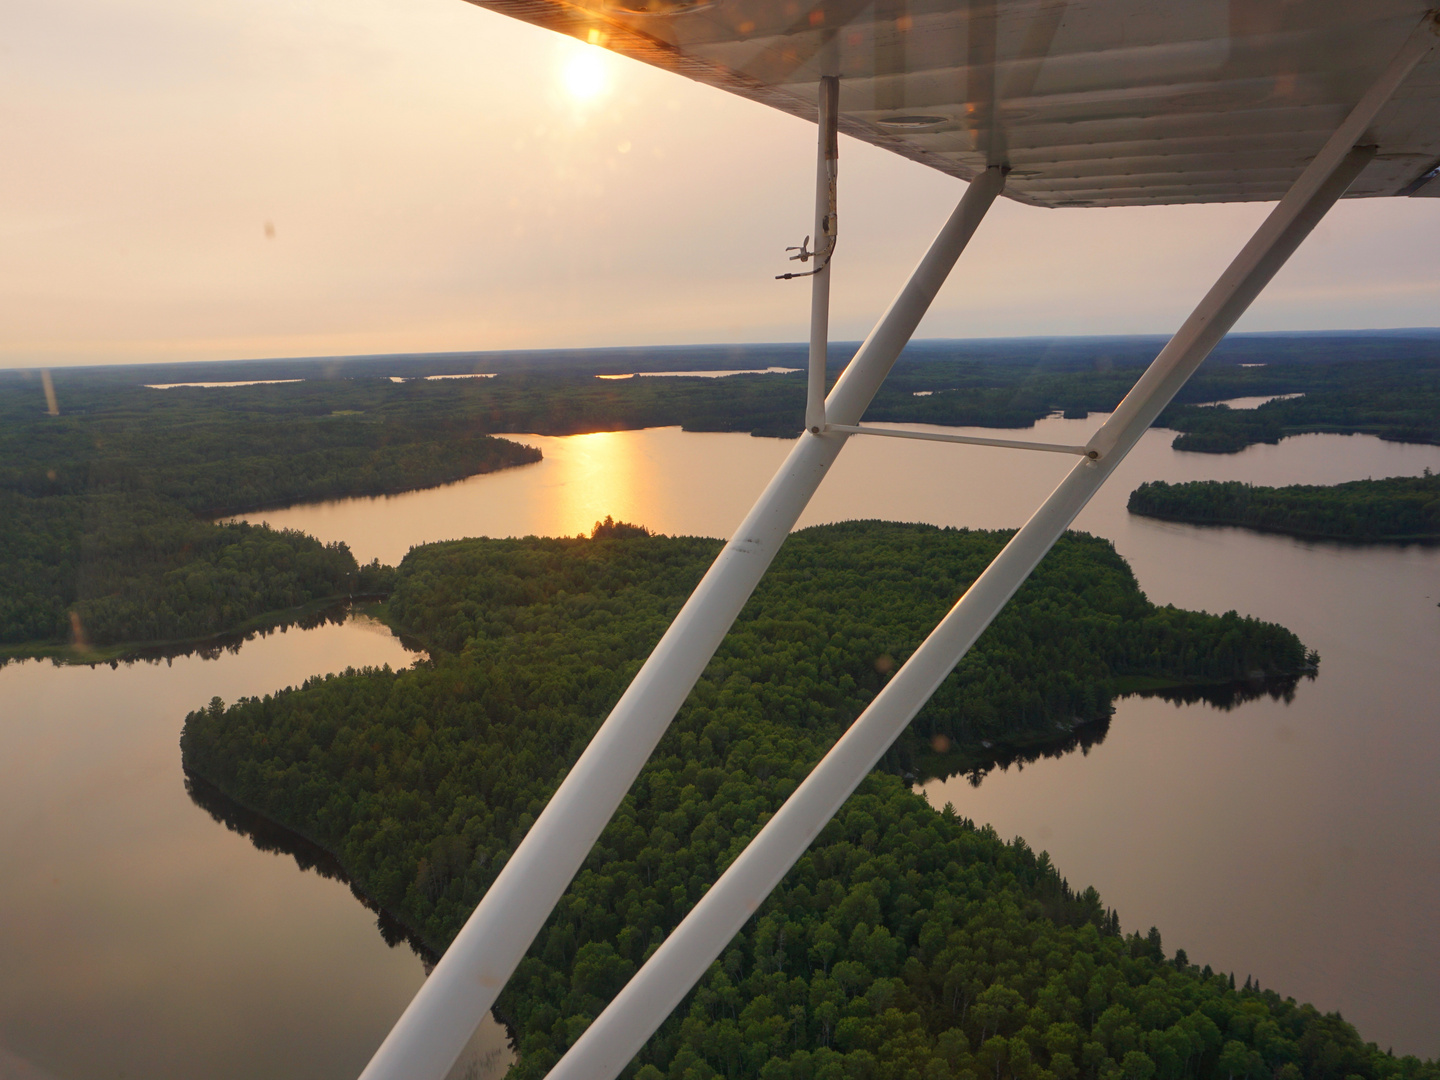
(136,568)
(228,452)
(1219,429)
(1389,388)
(1398,401)
(103,537)
(906,942)
(346,429)
(1385,384)
(1400,508)
(610,529)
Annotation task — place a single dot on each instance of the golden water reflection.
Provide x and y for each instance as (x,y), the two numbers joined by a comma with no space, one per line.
(602,474)
(674,482)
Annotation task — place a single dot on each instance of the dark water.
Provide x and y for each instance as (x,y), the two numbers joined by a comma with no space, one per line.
(141,937)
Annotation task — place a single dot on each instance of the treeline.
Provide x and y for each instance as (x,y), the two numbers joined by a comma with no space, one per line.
(105,508)
(1383,384)
(906,943)
(228,452)
(105,569)
(1055,656)
(1396,401)
(1399,508)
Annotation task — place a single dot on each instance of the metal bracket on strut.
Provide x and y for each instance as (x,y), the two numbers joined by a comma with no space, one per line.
(826,205)
(805,256)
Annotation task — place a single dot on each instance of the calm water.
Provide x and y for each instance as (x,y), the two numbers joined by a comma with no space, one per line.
(139,938)
(1297,843)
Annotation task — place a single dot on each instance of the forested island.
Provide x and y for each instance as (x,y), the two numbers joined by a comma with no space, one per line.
(906,942)
(1400,508)
(110,490)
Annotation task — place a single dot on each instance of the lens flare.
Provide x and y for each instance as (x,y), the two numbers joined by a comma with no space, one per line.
(585,76)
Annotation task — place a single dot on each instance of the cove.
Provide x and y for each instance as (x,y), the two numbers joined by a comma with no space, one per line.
(139,938)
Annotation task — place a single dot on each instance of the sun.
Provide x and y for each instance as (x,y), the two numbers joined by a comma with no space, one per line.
(585,76)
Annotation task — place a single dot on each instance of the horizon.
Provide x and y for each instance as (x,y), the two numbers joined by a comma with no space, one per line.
(1381,331)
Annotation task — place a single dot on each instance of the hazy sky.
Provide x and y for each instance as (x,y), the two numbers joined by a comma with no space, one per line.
(186,180)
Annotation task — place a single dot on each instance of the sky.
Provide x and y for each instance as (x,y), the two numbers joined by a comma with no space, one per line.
(189,179)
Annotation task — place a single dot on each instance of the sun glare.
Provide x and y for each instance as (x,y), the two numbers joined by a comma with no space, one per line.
(585,75)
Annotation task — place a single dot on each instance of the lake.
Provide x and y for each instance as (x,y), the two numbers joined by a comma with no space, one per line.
(1295,843)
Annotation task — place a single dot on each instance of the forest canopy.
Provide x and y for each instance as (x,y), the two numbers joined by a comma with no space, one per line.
(106,509)
(906,943)
(108,569)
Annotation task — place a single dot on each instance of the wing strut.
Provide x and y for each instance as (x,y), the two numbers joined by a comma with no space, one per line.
(620,1031)
(826,234)
(430,1035)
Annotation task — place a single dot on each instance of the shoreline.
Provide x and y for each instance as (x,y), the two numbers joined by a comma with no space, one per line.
(978,759)
(312,613)
(1424,539)
(275,837)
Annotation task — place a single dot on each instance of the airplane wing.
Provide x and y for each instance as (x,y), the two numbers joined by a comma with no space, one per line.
(1089,102)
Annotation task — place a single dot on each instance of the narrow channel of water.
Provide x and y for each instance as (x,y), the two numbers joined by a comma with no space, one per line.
(1292,842)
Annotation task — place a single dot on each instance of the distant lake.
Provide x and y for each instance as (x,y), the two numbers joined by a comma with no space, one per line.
(1296,843)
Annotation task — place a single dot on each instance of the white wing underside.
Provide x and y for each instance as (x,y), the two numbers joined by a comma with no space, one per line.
(1088,102)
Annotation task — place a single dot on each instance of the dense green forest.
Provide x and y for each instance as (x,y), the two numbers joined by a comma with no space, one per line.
(153,463)
(1346,386)
(218,453)
(1400,508)
(1397,406)
(111,568)
(1386,384)
(106,534)
(906,943)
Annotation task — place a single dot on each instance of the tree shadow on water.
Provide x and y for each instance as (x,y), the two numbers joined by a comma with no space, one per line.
(269,836)
(1227,696)
(977,761)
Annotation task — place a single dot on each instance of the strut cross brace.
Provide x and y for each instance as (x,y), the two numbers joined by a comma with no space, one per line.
(968,440)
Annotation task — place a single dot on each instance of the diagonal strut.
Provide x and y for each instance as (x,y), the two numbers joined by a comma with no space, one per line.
(622,1028)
